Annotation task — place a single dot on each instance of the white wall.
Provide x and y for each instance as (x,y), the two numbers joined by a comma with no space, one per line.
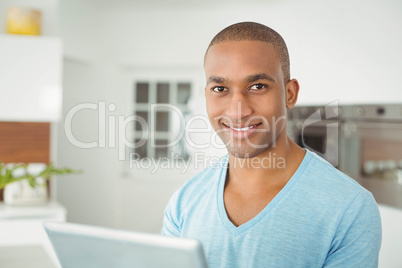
(89,197)
(346,50)
(390,254)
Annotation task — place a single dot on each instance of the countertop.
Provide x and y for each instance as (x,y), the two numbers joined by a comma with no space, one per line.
(23,240)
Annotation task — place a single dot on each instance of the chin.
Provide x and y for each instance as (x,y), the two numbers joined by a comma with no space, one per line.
(245,153)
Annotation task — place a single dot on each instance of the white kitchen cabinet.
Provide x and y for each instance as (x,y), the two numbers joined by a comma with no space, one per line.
(30,78)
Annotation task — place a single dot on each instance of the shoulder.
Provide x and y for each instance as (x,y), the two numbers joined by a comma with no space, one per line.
(331,195)
(196,196)
(324,185)
(325,176)
(200,186)
(207,177)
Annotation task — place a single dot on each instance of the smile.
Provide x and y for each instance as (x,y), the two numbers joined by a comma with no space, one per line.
(243,129)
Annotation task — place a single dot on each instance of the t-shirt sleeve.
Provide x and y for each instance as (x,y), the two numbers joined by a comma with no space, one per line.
(170,219)
(357,241)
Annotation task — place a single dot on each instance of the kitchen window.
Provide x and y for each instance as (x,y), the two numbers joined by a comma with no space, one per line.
(161,107)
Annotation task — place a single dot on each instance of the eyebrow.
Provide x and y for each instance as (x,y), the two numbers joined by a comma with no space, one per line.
(217,80)
(248,79)
(259,76)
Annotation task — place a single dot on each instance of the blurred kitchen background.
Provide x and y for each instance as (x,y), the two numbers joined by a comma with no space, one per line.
(67,90)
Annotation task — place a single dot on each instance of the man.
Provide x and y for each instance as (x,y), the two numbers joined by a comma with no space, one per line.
(269,203)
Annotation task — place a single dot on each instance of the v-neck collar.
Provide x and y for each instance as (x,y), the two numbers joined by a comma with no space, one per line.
(245,226)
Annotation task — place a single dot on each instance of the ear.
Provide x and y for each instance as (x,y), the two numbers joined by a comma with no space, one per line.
(292,91)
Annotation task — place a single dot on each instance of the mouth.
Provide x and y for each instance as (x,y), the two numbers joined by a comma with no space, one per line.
(241,132)
(240,128)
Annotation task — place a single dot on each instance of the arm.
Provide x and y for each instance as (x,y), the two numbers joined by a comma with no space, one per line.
(357,241)
(170,222)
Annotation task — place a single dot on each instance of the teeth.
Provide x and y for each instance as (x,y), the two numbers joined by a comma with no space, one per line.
(243,129)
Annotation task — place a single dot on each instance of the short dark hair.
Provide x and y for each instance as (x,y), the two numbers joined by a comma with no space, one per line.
(256,32)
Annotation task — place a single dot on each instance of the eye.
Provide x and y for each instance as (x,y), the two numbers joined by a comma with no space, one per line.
(219,89)
(258,87)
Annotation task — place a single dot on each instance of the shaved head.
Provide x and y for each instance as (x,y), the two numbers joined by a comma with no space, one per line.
(253,31)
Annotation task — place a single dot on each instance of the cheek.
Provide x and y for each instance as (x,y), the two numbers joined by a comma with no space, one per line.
(210,101)
(278,100)
(269,106)
(211,109)
(214,109)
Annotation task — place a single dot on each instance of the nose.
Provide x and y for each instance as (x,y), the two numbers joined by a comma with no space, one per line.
(238,107)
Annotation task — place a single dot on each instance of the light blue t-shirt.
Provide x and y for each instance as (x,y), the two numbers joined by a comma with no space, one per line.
(321,218)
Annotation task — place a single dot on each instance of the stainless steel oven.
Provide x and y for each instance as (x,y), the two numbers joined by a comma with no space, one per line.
(360,140)
(316,128)
(372,141)
(363,141)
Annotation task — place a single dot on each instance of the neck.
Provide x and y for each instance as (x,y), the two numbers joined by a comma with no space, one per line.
(274,166)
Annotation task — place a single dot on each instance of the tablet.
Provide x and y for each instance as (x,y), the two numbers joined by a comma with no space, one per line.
(83,246)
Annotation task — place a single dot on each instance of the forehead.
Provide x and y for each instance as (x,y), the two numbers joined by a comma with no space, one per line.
(242,57)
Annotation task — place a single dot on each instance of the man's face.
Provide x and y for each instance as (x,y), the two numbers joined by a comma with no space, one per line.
(245,95)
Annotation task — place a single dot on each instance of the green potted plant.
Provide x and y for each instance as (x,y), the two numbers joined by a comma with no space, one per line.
(24,186)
